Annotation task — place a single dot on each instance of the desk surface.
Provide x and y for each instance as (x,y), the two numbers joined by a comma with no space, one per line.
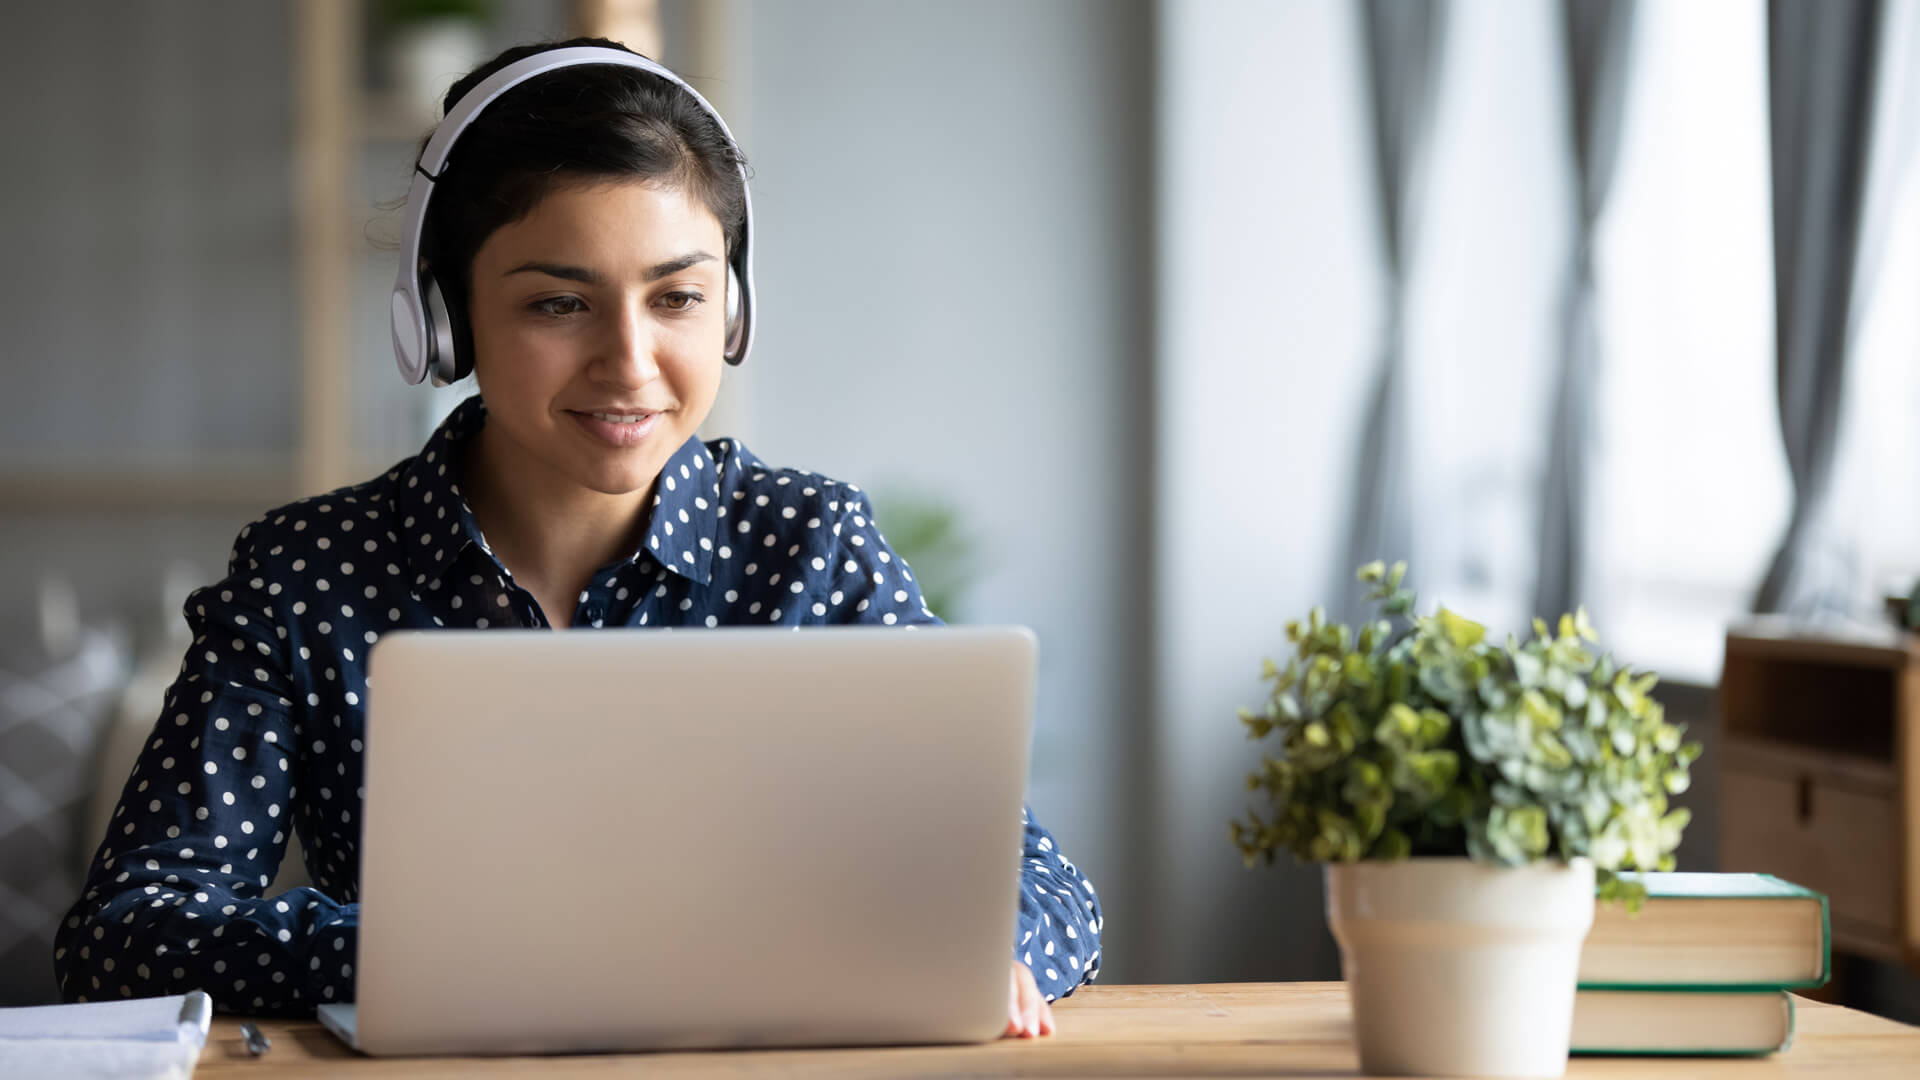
(1214,1029)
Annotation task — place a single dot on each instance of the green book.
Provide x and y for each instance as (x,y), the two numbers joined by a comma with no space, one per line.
(1711,932)
(1691,1022)
(1703,969)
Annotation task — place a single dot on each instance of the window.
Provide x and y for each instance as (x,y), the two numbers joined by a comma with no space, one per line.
(1692,488)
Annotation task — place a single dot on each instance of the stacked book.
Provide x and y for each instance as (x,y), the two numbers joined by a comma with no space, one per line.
(1703,969)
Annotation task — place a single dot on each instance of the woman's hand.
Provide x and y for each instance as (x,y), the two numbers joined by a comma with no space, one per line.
(1028,1015)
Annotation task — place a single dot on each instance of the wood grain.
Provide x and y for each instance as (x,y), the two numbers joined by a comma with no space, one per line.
(322,167)
(1221,1029)
(1907,821)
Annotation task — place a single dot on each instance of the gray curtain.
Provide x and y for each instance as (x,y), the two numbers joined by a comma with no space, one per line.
(1403,43)
(1821,61)
(1597,37)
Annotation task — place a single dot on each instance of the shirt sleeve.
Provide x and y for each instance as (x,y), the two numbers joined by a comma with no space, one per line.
(1059,915)
(1058,932)
(175,899)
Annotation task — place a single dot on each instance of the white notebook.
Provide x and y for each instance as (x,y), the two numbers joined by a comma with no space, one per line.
(141,1037)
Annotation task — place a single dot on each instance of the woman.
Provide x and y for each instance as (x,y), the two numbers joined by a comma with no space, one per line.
(580,236)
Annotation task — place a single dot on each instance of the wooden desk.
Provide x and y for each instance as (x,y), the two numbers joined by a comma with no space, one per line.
(1216,1029)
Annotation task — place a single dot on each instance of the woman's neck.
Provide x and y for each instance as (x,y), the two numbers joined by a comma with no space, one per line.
(551,533)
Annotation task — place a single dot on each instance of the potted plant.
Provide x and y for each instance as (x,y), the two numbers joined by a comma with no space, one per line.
(927,534)
(1469,798)
(429,44)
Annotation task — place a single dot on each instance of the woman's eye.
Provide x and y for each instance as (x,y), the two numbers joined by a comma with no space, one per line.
(558,305)
(682,301)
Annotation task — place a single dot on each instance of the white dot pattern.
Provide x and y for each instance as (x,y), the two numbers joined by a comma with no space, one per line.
(262,732)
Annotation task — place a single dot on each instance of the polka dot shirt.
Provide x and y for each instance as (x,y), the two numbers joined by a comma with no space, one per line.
(261,734)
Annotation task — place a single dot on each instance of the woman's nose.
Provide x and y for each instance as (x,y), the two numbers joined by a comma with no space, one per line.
(627,355)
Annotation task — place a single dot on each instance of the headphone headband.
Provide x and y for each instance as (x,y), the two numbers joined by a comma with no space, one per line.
(422,336)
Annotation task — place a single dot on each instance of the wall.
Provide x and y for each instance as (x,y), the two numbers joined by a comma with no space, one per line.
(954,229)
(1257,393)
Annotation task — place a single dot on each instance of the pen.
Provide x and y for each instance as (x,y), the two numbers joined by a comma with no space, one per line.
(196,1012)
(257,1043)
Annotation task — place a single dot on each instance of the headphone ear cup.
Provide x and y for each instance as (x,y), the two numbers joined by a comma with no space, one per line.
(443,352)
(733,310)
(460,329)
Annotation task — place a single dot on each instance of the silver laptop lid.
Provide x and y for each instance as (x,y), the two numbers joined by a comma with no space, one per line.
(730,837)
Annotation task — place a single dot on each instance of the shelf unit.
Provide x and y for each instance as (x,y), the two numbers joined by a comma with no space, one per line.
(334,122)
(1820,774)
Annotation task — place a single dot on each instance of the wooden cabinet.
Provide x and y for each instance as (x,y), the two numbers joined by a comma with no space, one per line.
(1820,774)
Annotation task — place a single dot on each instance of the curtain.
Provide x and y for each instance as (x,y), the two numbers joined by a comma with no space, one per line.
(1597,40)
(1821,68)
(1403,43)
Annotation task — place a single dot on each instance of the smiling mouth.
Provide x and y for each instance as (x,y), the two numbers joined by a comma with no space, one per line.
(620,429)
(617,416)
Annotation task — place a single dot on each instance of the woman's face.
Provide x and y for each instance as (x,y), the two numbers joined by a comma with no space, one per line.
(599,320)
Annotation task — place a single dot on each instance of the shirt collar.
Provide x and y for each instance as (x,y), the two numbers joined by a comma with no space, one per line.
(437,525)
(435,522)
(686,514)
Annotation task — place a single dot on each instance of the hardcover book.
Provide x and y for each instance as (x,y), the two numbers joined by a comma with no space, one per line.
(1718,931)
(1682,1022)
(1702,969)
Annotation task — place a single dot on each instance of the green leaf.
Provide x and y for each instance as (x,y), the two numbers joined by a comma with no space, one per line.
(1393,844)
(1463,633)
(1420,735)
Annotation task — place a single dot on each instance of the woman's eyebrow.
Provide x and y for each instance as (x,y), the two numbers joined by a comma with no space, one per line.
(674,266)
(589,276)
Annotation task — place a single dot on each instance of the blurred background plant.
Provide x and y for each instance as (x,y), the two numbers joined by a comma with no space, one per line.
(1427,739)
(925,530)
(426,46)
(399,12)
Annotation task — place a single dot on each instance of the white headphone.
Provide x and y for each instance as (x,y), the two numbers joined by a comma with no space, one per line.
(423,339)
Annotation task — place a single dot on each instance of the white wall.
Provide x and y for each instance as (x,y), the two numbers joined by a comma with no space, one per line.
(953,227)
(1267,305)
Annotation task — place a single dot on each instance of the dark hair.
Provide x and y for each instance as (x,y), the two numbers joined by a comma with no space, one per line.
(592,122)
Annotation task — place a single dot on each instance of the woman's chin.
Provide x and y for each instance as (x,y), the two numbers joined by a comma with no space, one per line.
(616,479)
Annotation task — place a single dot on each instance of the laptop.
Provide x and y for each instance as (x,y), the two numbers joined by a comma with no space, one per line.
(648,840)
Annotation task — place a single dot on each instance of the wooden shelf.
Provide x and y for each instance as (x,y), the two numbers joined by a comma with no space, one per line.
(1820,774)
(251,487)
(147,487)
(334,122)
(1755,753)
(1859,645)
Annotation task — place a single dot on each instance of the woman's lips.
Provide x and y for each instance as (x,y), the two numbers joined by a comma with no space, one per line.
(616,433)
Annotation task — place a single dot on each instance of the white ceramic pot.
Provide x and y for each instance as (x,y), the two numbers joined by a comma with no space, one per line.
(1457,968)
(427,57)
